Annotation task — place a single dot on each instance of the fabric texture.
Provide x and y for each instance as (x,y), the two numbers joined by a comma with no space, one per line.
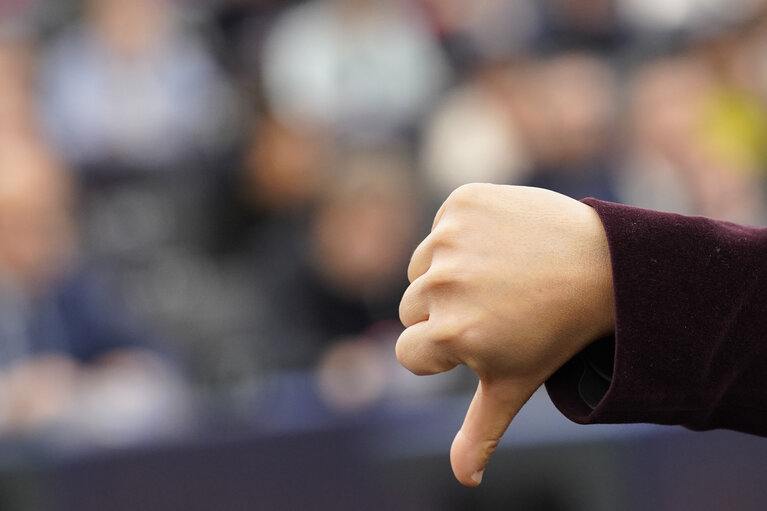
(691,326)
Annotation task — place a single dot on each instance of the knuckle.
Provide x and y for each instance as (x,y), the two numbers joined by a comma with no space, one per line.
(448,274)
(419,260)
(407,311)
(466,196)
(447,236)
(403,313)
(438,278)
(413,273)
(466,192)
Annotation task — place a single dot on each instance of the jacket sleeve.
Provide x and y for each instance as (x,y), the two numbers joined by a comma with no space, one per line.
(690,343)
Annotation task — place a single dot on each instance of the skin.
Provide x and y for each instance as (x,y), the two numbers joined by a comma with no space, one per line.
(37,228)
(512,282)
(37,247)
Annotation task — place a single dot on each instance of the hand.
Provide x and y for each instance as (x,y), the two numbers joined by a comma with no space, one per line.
(34,393)
(512,282)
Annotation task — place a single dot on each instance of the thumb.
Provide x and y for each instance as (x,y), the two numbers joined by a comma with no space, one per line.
(490,413)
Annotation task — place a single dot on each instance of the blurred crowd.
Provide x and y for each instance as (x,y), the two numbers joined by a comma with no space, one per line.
(199,197)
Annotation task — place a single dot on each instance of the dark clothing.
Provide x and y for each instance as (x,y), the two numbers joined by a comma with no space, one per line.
(308,315)
(593,180)
(691,326)
(76,318)
(301,313)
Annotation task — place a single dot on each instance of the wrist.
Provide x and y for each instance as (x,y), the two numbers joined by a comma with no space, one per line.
(589,311)
(599,287)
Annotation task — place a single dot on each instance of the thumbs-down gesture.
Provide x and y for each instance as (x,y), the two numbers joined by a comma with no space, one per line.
(512,282)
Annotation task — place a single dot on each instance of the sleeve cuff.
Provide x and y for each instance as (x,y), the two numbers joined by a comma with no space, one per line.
(689,330)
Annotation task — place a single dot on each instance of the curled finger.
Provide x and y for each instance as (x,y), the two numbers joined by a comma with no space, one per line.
(414,306)
(421,351)
(420,262)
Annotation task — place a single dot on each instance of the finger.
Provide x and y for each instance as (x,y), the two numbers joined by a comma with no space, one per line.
(414,307)
(438,216)
(490,413)
(419,349)
(420,262)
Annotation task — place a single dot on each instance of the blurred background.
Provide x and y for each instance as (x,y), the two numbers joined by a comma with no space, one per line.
(207,208)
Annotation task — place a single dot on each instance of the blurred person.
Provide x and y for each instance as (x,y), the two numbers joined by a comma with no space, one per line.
(69,362)
(579,23)
(348,277)
(18,115)
(262,218)
(130,86)
(332,316)
(545,123)
(734,120)
(655,17)
(364,225)
(573,116)
(142,113)
(664,104)
(674,163)
(754,52)
(270,198)
(284,166)
(365,70)
(485,31)
(244,26)
(480,131)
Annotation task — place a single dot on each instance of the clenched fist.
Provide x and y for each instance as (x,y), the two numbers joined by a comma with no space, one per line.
(512,282)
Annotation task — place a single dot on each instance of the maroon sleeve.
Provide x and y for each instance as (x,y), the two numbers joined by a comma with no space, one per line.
(691,325)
